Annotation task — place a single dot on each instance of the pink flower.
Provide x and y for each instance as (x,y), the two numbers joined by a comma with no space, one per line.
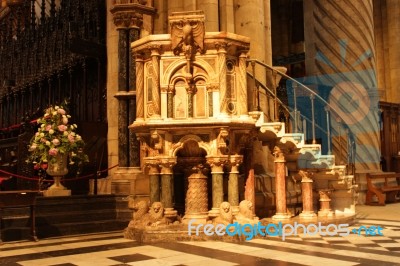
(61,111)
(48,127)
(65,120)
(62,128)
(71,138)
(56,142)
(53,151)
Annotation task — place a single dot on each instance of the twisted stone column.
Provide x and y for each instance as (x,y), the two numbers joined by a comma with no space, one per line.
(242,85)
(139,87)
(155,59)
(221,50)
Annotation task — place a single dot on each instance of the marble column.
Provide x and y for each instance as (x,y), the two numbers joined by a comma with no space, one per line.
(217,172)
(233,182)
(280,186)
(154,176)
(307,196)
(167,187)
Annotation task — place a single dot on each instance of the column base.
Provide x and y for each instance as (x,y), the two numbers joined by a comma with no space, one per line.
(281,216)
(200,218)
(307,215)
(325,213)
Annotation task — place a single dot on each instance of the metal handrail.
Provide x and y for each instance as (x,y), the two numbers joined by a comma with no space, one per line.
(328,107)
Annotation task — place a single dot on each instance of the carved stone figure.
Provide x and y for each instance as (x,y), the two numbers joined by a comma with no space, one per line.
(156,215)
(140,215)
(225,214)
(245,215)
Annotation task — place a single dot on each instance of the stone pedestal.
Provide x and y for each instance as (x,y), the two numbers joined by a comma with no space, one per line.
(122,182)
(324,200)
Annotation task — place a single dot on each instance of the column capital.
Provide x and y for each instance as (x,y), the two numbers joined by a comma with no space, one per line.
(279,155)
(235,160)
(217,160)
(130,15)
(166,164)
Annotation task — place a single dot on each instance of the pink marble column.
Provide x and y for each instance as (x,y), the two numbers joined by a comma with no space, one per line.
(280,186)
(307,195)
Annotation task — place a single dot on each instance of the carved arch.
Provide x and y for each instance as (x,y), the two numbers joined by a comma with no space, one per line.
(179,145)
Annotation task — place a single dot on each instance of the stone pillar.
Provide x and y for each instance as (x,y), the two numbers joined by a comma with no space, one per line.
(393,21)
(167,187)
(217,172)
(196,202)
(233,182)
(155,59)
(210,7)
(280,185)
(221,48)
(167,182)
(307,195)
(324,200)
(340,56)
(154,176)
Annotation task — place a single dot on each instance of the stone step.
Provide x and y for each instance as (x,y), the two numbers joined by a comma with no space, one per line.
(59,216)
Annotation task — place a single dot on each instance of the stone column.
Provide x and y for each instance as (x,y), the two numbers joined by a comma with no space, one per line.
(167,182)
(221,49)
(307,195)
(233,182)
(393,21)
(280,186)
(139,87)
(196,202)
(155,59)
(340,55)
(242,85)
(167,187)
(154,176)
(217,172)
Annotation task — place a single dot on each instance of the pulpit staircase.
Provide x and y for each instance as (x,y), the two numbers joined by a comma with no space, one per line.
(333,171)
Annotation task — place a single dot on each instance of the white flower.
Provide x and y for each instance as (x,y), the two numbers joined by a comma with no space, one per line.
(51,131)
(56,107)
(65,133)
(41,134)
(55,113)
(48,143)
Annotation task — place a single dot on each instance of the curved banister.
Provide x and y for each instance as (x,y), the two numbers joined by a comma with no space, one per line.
(313,94)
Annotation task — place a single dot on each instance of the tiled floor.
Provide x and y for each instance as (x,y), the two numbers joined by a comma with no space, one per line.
(111,249)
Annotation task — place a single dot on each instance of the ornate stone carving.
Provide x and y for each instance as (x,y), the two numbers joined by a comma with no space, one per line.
(225,214)
(140,214)
(245,215)
(187,36)
(223,141)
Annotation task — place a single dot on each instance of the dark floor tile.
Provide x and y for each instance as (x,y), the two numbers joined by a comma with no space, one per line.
(131,258)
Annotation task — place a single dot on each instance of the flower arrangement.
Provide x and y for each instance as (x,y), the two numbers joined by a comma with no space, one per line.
(56,136)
